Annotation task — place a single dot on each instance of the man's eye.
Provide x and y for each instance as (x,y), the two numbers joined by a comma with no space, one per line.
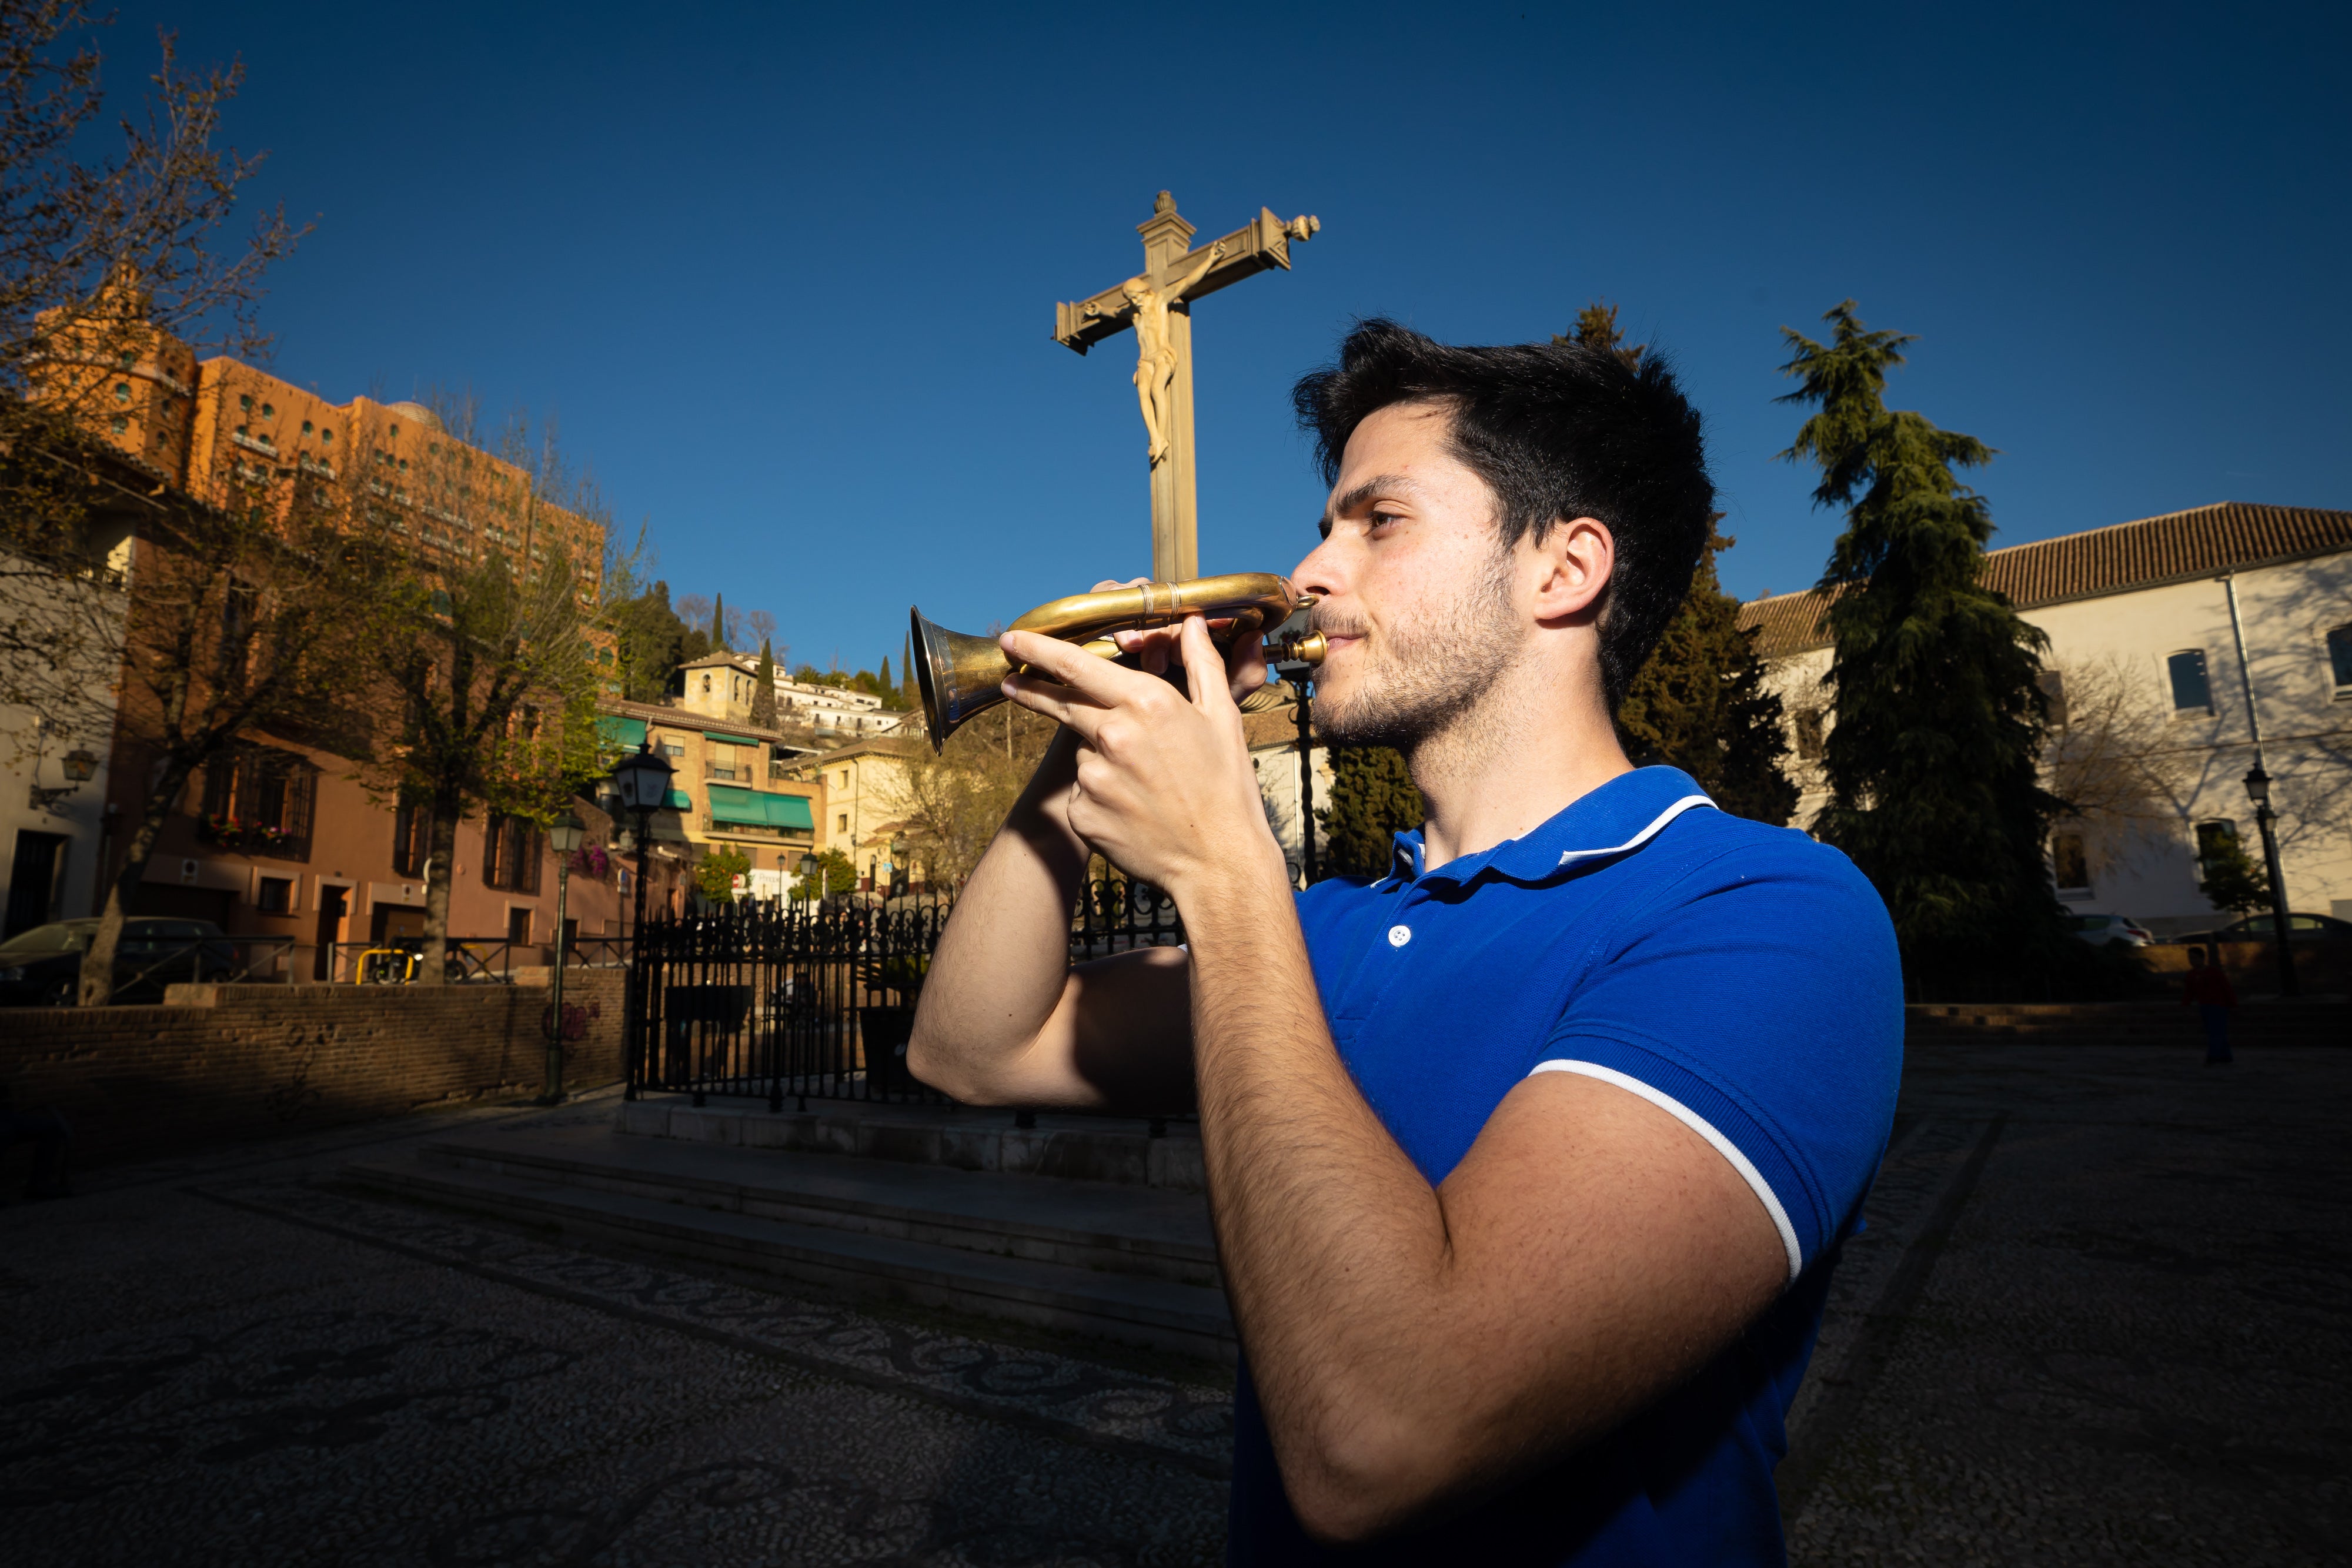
(1381,519)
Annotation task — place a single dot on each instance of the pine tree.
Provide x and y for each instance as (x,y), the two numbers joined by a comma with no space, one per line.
(1938,713)
(1373,799)
(764,689)
(1699,702)
(718,624)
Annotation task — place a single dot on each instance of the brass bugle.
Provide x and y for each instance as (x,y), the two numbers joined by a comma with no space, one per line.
(959,675)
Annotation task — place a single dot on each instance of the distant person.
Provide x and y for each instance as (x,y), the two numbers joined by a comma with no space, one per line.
(2209,992)
(52,1141)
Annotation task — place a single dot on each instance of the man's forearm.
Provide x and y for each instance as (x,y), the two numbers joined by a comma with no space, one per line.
(1332,1242)
(1003,959)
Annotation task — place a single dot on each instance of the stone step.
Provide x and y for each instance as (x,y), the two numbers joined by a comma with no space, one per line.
(1127,1309)
(1074,1147)
(1098,1226)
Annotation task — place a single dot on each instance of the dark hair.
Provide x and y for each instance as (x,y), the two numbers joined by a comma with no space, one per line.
(1556,430)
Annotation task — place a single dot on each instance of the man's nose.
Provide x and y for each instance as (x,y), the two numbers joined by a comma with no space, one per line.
(1318,573)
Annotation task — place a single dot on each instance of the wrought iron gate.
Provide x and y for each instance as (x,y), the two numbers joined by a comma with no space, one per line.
(782,1002)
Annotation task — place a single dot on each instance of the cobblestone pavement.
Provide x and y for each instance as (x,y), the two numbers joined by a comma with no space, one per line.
(2099,1316)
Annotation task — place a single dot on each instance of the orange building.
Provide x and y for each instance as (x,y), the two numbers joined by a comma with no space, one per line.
(277,836)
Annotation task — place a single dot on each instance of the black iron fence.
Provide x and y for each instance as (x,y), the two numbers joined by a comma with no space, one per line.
(783,1001)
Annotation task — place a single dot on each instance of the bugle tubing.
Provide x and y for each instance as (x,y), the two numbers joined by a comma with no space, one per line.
(959,675)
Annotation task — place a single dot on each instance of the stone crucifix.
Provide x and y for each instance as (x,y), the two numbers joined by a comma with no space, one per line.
(1157,303)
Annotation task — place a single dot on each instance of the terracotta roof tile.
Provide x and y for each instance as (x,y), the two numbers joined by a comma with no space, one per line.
(2227,536)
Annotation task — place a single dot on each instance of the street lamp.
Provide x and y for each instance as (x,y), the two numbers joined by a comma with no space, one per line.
(2258,790)
(898,865)
(80,765)
(811,869)
(642,781)
(563,835)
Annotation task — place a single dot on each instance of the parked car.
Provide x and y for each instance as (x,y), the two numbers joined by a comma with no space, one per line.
(41,967)
(2103,930)
(2262,927)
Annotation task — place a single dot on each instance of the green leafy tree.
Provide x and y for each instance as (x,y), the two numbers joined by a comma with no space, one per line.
(1699,702)
(763,690)
(2232,880)
(839,875)
(1373,800)
(715,873)
(490,665)
(651,642)
(1939,717)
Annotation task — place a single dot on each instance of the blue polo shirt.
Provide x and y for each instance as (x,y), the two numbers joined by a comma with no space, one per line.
(1740,977)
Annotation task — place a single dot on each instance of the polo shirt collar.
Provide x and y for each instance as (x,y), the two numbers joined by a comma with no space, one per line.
(1617,819)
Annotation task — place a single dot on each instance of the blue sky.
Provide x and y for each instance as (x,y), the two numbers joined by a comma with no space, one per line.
(784,276)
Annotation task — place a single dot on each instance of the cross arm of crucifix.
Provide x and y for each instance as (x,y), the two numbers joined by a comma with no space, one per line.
(1254,247)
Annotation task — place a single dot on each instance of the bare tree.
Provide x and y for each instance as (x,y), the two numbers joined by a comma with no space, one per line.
(957,799)
(99,260)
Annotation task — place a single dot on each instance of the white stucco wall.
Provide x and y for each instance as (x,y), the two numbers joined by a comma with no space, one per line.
(2125,639)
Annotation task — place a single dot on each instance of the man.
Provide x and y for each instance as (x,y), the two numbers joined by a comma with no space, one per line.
(1527,1161)
(2209,992)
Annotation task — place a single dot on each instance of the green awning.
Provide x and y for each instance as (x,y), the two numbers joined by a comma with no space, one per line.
(679,801)
(728,739)
(619,733)
(753,808)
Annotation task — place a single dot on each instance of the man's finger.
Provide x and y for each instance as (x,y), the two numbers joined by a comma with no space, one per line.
(1055,702)
(1204,666)
(1073,666)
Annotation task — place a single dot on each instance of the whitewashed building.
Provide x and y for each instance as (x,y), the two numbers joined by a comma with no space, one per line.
(2156,732)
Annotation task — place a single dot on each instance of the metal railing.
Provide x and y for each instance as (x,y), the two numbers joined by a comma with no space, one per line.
(471,960)
(783,1001)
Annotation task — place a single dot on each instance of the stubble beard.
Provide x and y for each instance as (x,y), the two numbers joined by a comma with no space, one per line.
(1417,683)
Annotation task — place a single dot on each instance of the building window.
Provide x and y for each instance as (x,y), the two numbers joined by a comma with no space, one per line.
(2190,687)
(672,749)
(2069,864)
(2053,697)
(510,853)
(2339,659)
(412,833)
(275,895)
(2215,842)
(244,401)
(845,778)
(327,437)
(841,822)
(1809,734)
(267,412)
(260,801)
(121,424)
(306,427)
(122,391)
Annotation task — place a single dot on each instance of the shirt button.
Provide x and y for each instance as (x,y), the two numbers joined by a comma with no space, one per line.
(1400,935)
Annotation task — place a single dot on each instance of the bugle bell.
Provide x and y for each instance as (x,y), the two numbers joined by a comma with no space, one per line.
(959,675)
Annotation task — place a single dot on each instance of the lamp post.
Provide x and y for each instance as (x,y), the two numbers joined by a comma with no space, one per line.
(812,868)
(80,766)
(563,836)
(642,780)
(897,867)
(2258,790)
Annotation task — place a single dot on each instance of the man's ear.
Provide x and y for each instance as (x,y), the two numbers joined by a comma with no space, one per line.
(1572,566)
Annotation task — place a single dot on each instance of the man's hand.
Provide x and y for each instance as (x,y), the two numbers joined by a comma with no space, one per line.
(1164,787)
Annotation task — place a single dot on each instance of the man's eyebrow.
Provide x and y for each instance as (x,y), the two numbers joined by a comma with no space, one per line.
(1394,484)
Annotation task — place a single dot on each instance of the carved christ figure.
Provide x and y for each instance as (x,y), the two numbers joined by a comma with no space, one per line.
(1155,357)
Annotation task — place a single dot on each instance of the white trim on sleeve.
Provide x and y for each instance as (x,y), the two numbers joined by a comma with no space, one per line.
(1699,1124)
(1644,836)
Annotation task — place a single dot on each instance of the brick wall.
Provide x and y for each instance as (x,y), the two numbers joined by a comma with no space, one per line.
(217,1063)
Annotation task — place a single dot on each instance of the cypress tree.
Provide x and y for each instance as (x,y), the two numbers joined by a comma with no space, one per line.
(718,624)
(1699,702)
(1937,714)
(1373,799)
(764,689)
